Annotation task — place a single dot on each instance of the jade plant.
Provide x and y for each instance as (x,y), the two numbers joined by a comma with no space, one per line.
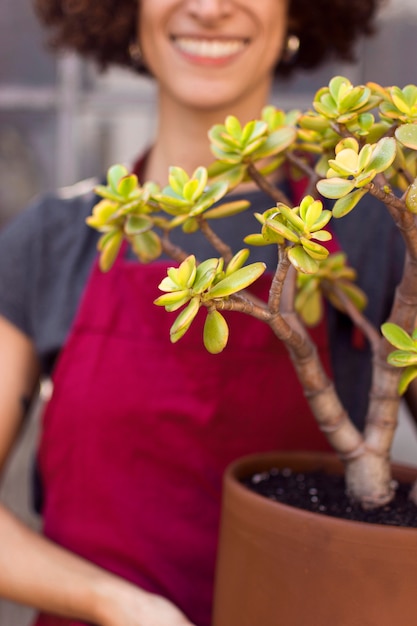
(355,140)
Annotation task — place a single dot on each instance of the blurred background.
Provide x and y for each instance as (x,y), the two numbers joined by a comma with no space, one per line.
(61,121)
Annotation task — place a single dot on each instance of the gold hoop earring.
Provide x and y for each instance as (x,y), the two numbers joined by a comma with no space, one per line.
(292,45)
(135,54)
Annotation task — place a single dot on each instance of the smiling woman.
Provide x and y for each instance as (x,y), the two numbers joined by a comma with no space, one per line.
(137,433)
(326,28)
(213,55)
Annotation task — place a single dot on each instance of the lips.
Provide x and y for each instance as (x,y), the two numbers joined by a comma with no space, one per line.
(209,48)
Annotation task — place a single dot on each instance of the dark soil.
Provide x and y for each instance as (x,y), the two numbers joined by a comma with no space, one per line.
(324,493)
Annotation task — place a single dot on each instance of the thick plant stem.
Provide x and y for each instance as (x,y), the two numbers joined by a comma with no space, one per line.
(274,192)
(218,244)
(368,479)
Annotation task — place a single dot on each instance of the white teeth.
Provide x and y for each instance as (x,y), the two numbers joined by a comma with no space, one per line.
(211,48)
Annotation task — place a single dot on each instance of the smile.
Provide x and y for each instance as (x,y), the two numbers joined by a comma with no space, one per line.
(209,48)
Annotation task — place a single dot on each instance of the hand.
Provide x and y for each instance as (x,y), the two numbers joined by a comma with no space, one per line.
(132,606)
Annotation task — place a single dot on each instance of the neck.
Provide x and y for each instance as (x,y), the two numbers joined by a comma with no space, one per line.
(181,137)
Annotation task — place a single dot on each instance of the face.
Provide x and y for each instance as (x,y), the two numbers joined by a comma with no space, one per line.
(211,54)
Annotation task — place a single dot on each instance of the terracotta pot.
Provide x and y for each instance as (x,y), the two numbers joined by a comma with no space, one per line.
(281,566)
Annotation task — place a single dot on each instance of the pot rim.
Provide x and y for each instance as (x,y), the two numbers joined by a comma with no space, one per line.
(247,464)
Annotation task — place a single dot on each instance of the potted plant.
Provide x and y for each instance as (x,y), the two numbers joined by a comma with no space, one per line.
(355,141)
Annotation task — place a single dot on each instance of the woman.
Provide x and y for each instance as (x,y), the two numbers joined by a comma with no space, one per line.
(133,445)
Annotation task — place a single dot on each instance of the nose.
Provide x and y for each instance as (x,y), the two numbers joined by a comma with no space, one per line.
(209,10)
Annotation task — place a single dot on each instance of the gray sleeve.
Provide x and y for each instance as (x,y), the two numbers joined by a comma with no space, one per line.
(17,267)
(46,255)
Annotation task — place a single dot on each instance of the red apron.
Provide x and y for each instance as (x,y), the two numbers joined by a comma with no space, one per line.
(138,432)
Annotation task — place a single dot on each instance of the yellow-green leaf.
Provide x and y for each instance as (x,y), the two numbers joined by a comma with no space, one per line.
(344,205)
(184,320)
(407,135)
(302,261)
(216,332)
(398,337)
(110,246)
(408,375)
(335,187)
(237,281)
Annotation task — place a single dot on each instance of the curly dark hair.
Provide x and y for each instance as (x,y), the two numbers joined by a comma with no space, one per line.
(102,31)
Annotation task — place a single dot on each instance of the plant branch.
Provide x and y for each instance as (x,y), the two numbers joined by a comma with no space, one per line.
(218,244)
(263,184)
(404,219)
(175,252)
(241,303)
(303,166)
(382,415)
(277,284)
(356,316)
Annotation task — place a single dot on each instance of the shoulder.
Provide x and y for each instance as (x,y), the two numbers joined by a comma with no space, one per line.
(46,254)
(52,213)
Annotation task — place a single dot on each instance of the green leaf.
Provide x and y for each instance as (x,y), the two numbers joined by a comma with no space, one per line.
(313,213)
(177,178)
(256,239)
(114,174)
(292,217)
(408,375)
(334,187)
(206,272)
(201,176)
(365,156)
(253,146)
(226,157)
(233,126)
(322,235)
(277,141)
(110,245)
(315,250)
(366,177)
(190,225)
(213,194)
(205,275)
(186,272)
(106,192)
(220,138)
(136,224)
(302,261)
(383,155)
(407,135)
(398,337)
(190,191)
(253,130)
(345,163)
(237,281)
(282,230)
(411,197)
(173,300)
(227,209)
(147,246)
(309,306)
(184,320)
(237,261)
(103,212)
(401,358)
(216,332)
(344,205)
(312,121)
(399,100)
(127,184)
